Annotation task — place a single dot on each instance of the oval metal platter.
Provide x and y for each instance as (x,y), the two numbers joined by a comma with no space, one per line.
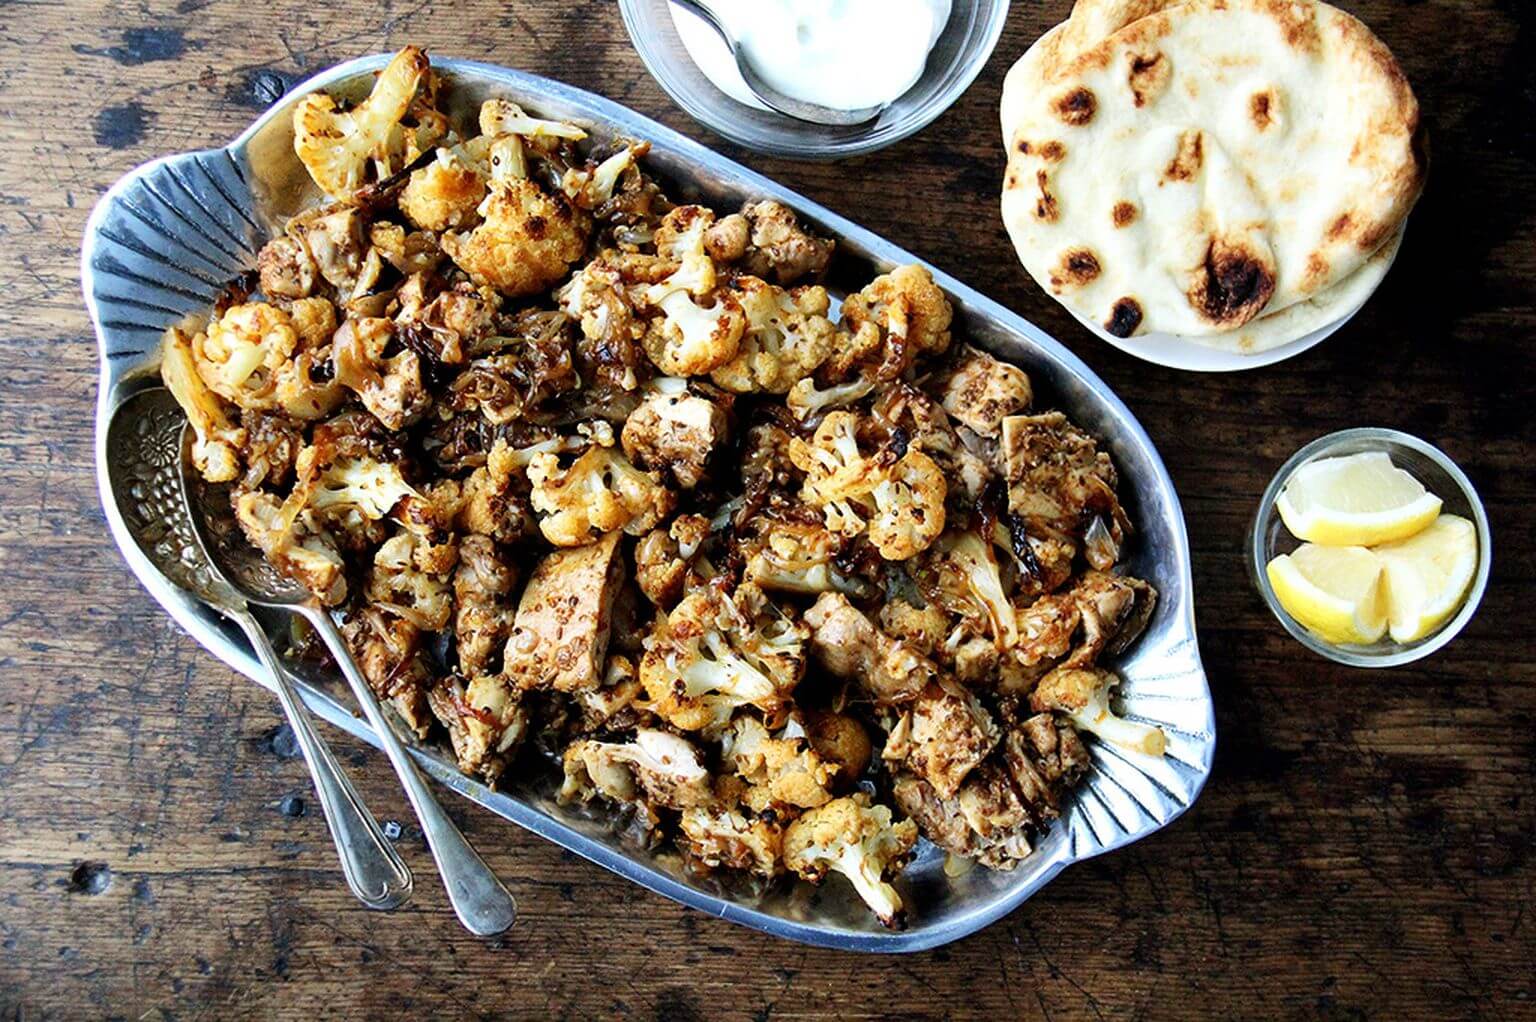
(166,239)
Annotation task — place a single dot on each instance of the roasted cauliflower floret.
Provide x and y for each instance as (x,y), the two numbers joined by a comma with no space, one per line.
(398,582)
(1082,694)
(216,451)
(963,574)
(796,557)
(674,431)
(293,545)
(345,148)
(665,559)
(942,736)
(900,501)
(768,242)
(446,193)
(600,492)
(786,337)
(910,313)
(981,391)
(285,269)
(840,740)
(859,840)
(712,654)
(719,838)
(808,402)
(347,487)
(657,768)
(849,646)
(389,385)
(526,241)
(782,771)
(238,356)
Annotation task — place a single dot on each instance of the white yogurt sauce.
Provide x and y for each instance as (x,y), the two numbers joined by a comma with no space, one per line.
(843,54)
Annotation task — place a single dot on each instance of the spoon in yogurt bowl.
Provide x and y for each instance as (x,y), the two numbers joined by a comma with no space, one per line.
(832,62)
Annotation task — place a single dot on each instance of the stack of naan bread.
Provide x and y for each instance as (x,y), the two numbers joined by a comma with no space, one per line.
(1232,172)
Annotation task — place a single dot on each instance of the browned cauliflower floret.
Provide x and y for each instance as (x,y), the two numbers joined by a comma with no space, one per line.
(240,353)
(482,601)
(674,431)
(216,450)
(980,391)
(787,336)
(719,838)
(664,558)
(777,247)
(285,269)
(899,501)
(943,736)
(910,314)
(794,556)
(779,772)
(390,386)
(526,241)
(600,492)
(700,326)
(398,582)
(484,718)
(962,574)
(859,840)
(849,646)
(291,543)
(839,740)
(446,193)
(344,149)
(1082,695)
(713,653)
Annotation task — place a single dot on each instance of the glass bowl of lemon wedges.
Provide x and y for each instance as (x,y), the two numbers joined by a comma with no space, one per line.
(1371,547)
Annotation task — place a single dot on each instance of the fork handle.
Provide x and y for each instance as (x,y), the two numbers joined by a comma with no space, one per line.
(374,870)
(480,900)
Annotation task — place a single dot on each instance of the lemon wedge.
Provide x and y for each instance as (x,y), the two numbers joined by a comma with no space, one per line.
(1427,576)
(1334,591)
(1359,500)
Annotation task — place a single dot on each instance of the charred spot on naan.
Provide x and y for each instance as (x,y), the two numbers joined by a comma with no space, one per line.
(1148,76)
(1124,317)
(1233,285)
(1079,267)
(1190,157)
(1264,108)
(1124,214)
(1076,106)
(1298,23)
(1046,209)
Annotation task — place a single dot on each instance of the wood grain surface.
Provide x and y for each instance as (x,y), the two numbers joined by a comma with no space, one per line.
(1364,849)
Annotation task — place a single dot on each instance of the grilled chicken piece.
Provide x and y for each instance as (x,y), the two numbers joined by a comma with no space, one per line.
(388,651)
(560,634)
(1006,799)
(981,391)
(1059,482)
(482,600)
(1101,613)
(943,736)
(848,645)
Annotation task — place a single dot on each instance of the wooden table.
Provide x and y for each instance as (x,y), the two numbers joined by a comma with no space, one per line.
(1364,848)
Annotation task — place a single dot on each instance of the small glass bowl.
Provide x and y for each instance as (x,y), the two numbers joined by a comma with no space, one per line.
(962,50)
(1268,538)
